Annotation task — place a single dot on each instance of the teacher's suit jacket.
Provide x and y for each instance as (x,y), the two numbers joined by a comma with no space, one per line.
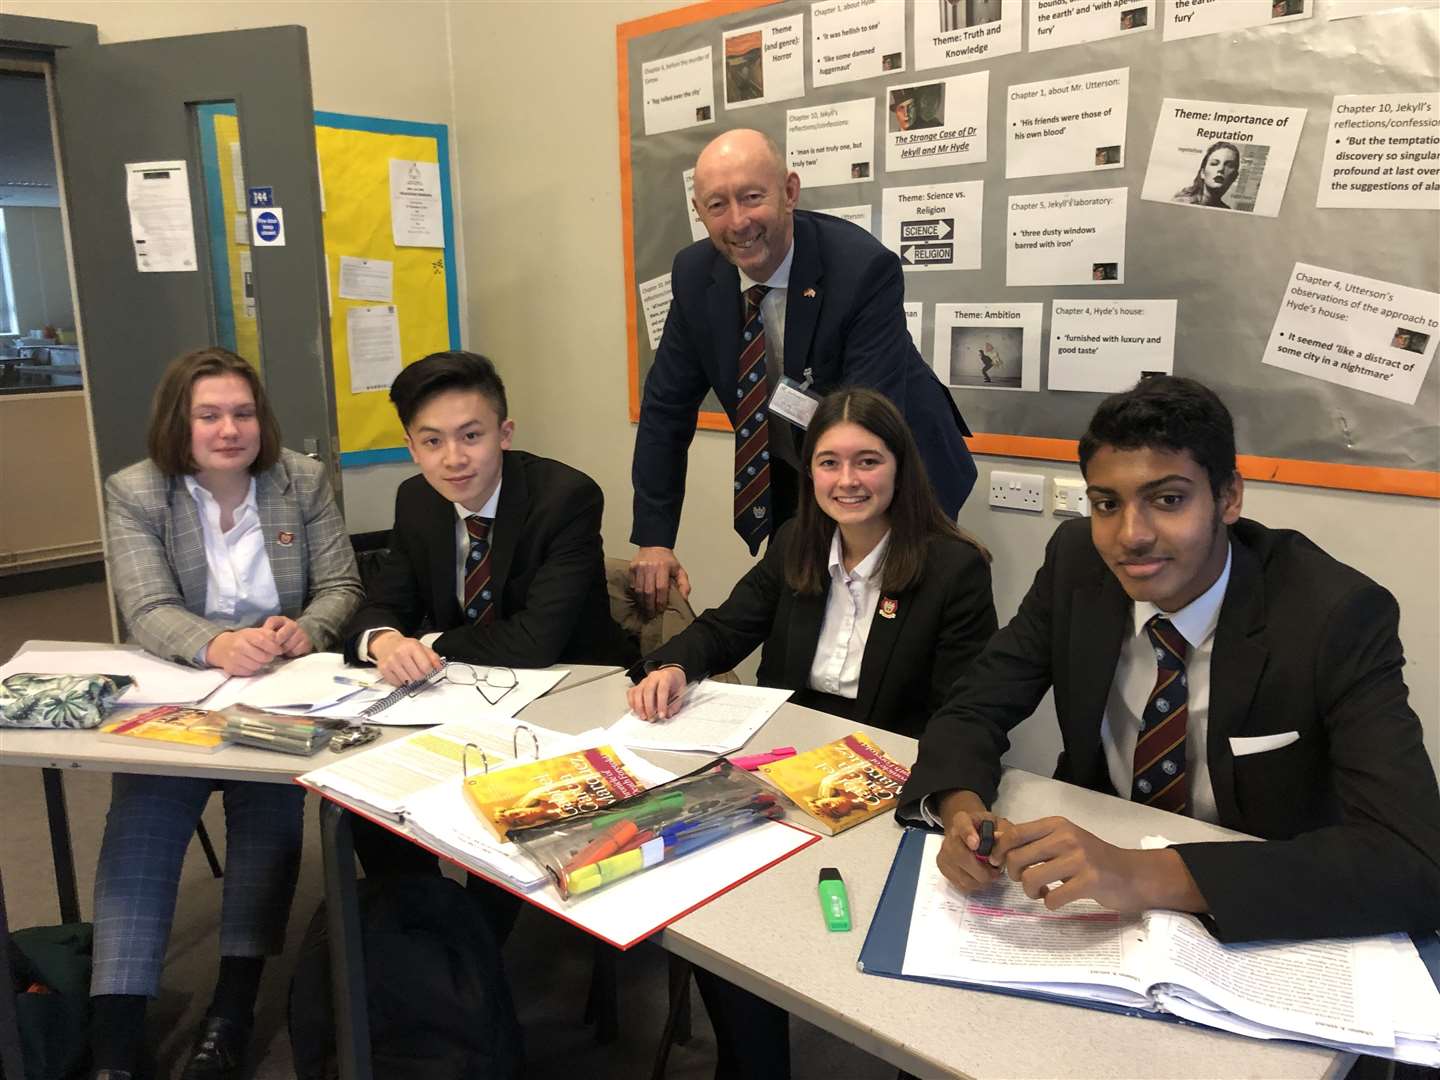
(844,320)
(911,659)
(155,549)
(1304,645)
(547,566)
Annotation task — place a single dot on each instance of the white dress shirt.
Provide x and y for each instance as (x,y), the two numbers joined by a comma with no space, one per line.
(772,313)
(1135,678)
(462,552)
(239,583)
(849,610)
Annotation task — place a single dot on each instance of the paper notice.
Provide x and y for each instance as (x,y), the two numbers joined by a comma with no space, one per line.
(1355,332)
(655,296)
(1054,23)
(857,215)
(1219,155)
(936,123)
(1105,346)
(416,214)
(765,63)
(988,346)
(372,337)
(697,227)
(1191,18)
(831,144)
(679,91)
(1075,124)
(1382,150)
(936,227)
(950,34)
(237,174)
(367,279)
(247,284)
(855,39)
(241,227)
(1348,9)
(1067,238)
(161,226)
(915,320)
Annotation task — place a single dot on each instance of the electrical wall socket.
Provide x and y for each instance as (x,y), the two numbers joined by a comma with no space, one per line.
(1017,491)
(1068,499)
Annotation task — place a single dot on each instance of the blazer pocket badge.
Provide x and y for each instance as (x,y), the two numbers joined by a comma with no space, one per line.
(286,539)
(888,607)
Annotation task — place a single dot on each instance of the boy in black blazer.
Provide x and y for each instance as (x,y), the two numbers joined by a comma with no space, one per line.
(494,550)
(1268,698)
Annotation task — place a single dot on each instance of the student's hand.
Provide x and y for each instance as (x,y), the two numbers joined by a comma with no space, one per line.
(290,634)
(651,572)
(243,652)
(653,697)
(402,659)
(961,812)
(1058,861)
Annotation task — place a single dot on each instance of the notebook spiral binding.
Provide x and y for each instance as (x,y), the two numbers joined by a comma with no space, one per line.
(400,693)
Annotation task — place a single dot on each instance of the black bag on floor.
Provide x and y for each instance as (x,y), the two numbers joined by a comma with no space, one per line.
(440,1005)
(50,972)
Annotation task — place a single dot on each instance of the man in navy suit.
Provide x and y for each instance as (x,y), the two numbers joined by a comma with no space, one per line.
(833,316)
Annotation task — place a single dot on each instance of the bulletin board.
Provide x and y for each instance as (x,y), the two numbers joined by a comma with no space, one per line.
(354,154)
(1269,250)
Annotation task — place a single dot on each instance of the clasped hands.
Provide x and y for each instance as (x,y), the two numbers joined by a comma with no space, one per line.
(246,652)
(1056,861)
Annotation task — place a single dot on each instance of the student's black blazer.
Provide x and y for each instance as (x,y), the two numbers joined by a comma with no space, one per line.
(911,658)
(1304,644)
(547,565)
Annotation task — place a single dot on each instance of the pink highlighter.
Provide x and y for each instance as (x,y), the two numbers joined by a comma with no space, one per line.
(751,762)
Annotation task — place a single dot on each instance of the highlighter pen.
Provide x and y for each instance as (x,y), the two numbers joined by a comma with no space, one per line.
(987,840)
(834,903)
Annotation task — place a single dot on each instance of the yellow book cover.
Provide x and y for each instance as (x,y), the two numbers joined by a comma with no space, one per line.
(841,783)
(539,792)
(177,727)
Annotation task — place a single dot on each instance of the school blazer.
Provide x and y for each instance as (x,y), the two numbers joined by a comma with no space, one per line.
(911,659)
(155,549)
(1304,644)
(547,568)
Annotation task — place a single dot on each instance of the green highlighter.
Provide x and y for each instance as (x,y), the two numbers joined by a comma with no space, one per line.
(834,903)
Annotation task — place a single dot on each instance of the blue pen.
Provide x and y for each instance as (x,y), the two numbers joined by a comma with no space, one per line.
(705,837)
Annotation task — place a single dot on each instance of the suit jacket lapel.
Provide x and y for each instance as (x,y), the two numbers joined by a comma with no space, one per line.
(1099,617)
(802,311)
(187,545)
(884,632)
(723,299)
(276,517)
(438,529)
(510,517)
(1236,664)
(807,612)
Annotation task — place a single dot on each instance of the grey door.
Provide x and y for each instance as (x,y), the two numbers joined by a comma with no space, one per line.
(135,102)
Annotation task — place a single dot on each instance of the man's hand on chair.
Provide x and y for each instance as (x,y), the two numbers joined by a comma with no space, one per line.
(652,571)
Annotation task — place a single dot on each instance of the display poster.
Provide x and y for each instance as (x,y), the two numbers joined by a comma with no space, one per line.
(947,34)
(831,144)
(936,227)
(162,228)
(855,39)
(991,346)
(1074,124)
(372,335)
(678,91)
(1067,238)
(697,227)
(936,122)
(1054,23)
(1191,18)
(1104,346)
(765,63)
(417,212)
(1382,151)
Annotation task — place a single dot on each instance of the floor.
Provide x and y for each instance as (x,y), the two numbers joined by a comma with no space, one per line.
(548,962)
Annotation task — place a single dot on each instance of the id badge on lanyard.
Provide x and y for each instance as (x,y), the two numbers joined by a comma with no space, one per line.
(794,401)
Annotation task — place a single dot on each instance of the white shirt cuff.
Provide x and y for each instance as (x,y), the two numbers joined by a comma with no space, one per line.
(362,650)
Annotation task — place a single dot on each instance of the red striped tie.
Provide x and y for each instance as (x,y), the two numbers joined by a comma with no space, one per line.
(1159,778)
(752,428)
(479,606)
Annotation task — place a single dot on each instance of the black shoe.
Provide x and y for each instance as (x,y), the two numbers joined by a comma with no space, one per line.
(219,1051)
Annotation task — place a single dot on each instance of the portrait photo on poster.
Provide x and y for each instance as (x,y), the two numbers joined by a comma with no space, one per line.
(1227,177)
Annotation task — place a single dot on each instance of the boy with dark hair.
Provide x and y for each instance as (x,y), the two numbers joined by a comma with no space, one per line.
(1207,665)
(496,551)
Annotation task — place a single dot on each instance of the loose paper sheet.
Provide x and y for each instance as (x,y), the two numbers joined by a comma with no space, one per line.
(1356,332)
(678,91)
(938,122)
(655,297)
(1382,150)
(367,279)
(1054,23)
(157,682)
(717,717)
(1104,346)
(1074,124)
(162,229)
(1191,18)
(831,144)
(373,337)
(417,216)
(951,34)
(1067,238)
(765,63)
(992,346)
(855,39)
(935,227)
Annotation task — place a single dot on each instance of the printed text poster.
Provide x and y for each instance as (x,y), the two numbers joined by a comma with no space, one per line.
(831,144)
(1054,23)
(1074,124)
(951,34)
(936,122)
(993,346)
(678,92)
(1191,18)
(934,228)
(855,39)
(1067,238)
(1105,346)
(1382,151)
(765,63)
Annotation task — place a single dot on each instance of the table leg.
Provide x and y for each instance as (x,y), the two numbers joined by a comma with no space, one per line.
(347,958)
(11,1059)
(63,854)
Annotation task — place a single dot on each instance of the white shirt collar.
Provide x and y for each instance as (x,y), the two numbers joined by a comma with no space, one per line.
(1197,620)
(867,568)
(486,511)
(778,280)
(199,491)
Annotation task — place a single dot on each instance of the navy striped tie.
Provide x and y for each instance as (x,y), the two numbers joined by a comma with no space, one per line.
(1159,778)
(752,428)
(479,605)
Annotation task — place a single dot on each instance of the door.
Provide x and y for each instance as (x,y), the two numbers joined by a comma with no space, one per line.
(140,101)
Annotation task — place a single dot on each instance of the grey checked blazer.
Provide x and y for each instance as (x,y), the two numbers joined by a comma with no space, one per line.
(156,553)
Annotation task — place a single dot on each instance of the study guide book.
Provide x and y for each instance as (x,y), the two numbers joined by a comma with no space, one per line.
(176,727)
(540,792)
(1359,995)
(840,784)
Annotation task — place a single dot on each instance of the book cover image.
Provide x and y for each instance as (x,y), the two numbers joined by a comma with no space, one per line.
(178,727)
(539,792)
(841,783)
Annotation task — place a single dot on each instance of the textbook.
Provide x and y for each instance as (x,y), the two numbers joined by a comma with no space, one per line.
(539,792)
(1359,995)
(840,784)
(176,727)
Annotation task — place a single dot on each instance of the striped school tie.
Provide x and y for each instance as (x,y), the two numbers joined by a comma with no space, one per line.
(479,606)
(752,429)
(1159,778)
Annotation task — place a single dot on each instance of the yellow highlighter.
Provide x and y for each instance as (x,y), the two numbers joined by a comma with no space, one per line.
(588,878)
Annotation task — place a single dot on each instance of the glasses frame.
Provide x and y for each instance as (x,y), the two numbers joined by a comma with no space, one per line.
(479,683)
